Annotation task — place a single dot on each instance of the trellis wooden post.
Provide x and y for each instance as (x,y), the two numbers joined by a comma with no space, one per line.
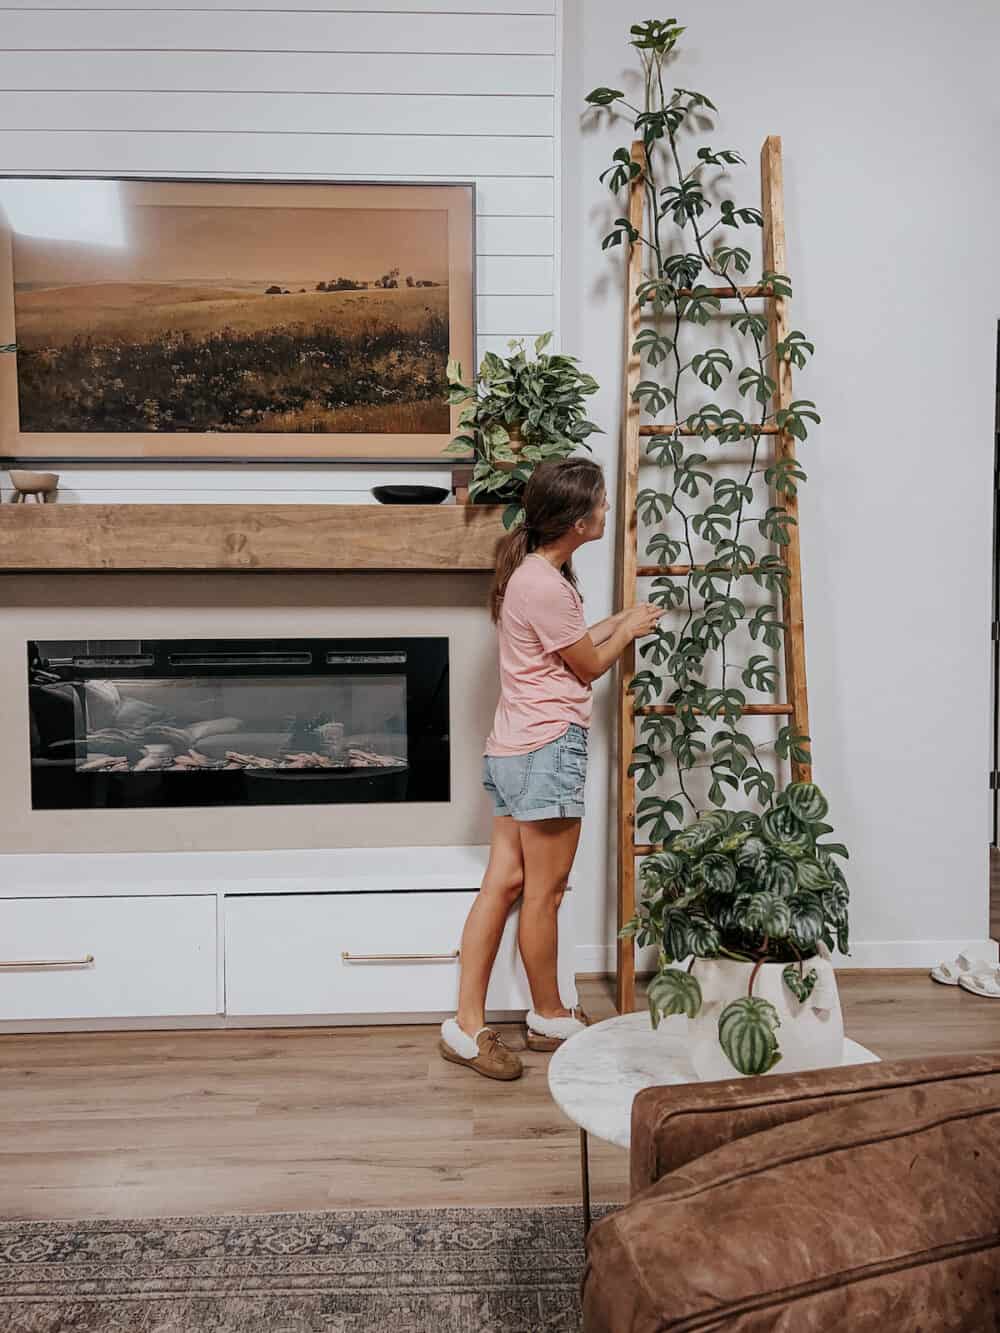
(796,709)
(628,527)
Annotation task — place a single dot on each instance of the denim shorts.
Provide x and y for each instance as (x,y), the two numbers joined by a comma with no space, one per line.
(546,783)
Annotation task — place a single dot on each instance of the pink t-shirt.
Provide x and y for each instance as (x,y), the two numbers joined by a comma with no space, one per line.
(539,696)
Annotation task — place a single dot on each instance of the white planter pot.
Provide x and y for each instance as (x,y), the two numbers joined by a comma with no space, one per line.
(811,1035)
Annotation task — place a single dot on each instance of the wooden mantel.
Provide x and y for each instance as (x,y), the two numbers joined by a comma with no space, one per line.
(177,538)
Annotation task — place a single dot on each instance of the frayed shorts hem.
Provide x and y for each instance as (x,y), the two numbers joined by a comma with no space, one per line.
(572,811)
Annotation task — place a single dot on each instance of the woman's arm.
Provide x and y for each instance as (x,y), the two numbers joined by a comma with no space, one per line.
(604,629)
(588,660)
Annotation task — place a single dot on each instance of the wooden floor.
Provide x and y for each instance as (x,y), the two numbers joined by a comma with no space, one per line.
(178,1123)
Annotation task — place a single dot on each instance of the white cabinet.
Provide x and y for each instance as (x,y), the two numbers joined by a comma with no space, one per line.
(353,953)
(220,939)
(151,957)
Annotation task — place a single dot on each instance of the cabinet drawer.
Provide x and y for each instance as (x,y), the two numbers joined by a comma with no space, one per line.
(151,957)
(284,954)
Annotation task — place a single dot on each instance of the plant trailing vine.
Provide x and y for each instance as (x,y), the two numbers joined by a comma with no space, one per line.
(752,885)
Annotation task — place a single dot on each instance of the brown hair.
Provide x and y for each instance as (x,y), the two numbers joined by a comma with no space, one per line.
(558,494)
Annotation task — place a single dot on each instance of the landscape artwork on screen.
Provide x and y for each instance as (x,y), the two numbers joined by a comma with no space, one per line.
(222,319)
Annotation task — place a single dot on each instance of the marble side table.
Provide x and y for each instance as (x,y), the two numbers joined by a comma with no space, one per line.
(595,1075)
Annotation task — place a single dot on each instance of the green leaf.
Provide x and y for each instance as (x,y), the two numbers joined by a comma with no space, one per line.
(717,872)
(779,284)
(603,96)
(654,346)
(786,832)
(794,348)
(747,1035)
(768,914)
(806,801)
(672,991)
(706,366)
(800,986)
(807,923)
(646,686)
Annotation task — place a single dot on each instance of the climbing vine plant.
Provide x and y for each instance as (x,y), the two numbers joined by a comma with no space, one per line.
(747,885)
(688,240)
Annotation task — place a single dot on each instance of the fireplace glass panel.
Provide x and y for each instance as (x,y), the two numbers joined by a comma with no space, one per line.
(186,722)
(198,723)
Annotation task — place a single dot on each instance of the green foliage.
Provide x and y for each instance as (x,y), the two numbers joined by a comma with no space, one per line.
(738,884)
(747,1030)
(542,397)
(673,992)
(751,877)
(800,984)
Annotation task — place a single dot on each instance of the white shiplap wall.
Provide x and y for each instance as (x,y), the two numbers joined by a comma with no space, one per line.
(419,90)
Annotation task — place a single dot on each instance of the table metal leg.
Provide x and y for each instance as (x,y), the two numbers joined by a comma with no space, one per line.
(585,1181)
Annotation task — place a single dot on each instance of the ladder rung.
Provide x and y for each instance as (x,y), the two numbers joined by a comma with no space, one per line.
(670,710)
(681,571)
(646,848)
(729,291)
(674,428)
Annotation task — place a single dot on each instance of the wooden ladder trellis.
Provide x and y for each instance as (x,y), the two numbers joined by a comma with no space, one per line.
(629,569)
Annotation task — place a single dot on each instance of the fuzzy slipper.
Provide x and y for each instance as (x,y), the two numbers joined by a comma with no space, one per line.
(985,983)
(548,1034)
(950,974)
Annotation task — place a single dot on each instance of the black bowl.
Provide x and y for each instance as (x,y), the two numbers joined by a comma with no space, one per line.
(410,495)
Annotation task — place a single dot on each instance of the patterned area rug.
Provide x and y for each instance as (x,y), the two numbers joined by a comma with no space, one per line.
(447,1270)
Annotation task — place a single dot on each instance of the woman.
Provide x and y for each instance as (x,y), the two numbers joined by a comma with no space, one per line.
(536,755)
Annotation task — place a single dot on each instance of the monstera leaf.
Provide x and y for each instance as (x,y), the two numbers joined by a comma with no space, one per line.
(800,986)
(673,992)
(746,1034)
(806,801)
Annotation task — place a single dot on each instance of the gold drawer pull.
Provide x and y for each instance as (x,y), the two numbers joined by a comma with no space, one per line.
(400,957)
(49,962)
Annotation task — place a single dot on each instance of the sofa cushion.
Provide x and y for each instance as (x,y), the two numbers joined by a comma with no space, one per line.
(674,1124)
(880,1215)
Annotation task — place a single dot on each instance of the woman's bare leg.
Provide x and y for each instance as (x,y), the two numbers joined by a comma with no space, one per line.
(501,888)
(548,847)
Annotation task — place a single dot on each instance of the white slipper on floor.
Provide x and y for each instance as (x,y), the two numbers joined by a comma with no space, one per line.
(986,983)
(950,974)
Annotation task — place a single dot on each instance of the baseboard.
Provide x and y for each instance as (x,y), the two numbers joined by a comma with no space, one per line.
(869,954)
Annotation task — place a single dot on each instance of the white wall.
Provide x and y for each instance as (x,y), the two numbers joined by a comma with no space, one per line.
(400,90)
(888,117)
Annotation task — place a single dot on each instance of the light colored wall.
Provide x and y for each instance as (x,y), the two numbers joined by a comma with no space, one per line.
(888,116)
(399,90)
(259,605)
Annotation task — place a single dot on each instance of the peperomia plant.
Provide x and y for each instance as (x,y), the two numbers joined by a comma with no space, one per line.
(752,888)
(518,412)
(748,884)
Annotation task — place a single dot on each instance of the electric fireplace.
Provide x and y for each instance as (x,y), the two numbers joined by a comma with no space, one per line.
(190,722)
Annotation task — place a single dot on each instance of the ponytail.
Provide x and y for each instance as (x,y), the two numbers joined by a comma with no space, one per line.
(511,550)
(557,494)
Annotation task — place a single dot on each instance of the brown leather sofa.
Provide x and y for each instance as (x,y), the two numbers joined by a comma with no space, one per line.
(856,1199)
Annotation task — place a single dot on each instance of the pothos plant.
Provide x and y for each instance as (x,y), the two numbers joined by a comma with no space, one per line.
(517,412)
(756,884)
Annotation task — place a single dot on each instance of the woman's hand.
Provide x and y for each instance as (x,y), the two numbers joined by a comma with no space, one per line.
(642,619)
